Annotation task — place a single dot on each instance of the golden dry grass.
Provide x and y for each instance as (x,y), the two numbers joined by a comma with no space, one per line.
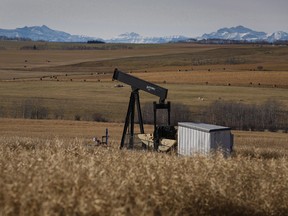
(45,129)
(66,177)
(51,168)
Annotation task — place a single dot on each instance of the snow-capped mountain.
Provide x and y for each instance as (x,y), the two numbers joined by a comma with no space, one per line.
(239,33)
(132,37)
(44,33)
(278,36)
(236,33)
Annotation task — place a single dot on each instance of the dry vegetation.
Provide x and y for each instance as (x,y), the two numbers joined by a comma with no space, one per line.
(50,167)
(67,177)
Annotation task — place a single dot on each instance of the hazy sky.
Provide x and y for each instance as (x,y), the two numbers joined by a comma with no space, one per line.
(109,18)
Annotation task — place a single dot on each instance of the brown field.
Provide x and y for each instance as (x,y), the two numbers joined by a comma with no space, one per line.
(77,77)
(50,167)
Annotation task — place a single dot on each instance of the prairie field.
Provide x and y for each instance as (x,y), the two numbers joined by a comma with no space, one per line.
(77,78)
(51,166)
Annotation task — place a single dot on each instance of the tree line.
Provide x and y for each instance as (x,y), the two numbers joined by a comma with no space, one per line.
(269,115)
(35,108)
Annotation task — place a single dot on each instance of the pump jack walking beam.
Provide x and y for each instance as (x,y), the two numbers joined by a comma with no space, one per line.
(137,83)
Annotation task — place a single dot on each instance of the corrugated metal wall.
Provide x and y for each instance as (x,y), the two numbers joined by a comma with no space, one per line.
(192,141)
(221,140)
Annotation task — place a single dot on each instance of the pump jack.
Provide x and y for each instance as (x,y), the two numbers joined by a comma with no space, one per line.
(160,132)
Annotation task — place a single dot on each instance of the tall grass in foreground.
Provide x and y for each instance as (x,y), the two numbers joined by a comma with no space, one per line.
(67,177)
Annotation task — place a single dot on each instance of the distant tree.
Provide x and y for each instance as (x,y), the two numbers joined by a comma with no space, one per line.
(77,117)
(1,112)
(59,113)
(268,115)
(98,117)
(95,42)
(33,109)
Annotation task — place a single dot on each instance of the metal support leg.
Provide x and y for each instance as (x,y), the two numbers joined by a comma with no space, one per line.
(155,108)
(127,121)
(132,113)
(140,119)
(134,99)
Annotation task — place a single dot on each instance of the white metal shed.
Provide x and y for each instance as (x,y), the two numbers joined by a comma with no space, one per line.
(201,138)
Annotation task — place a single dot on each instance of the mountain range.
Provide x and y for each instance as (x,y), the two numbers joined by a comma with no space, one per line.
(242,33)
(43,33)
(239,33)
(133,37)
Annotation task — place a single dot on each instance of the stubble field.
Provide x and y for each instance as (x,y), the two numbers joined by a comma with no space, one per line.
(50,167)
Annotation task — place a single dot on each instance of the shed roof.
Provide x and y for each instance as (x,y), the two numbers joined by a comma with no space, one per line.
(203,127)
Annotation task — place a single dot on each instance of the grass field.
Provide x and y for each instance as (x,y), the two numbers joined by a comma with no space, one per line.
(86,98)
(61,77)
(50,167)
